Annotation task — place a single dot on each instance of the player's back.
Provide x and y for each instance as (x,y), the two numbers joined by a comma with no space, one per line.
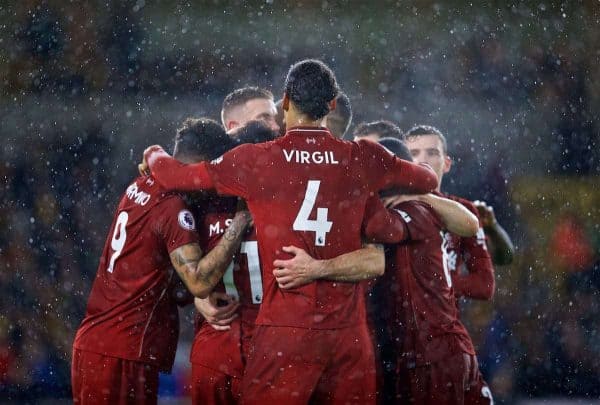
(242,280)
(306,189)
(130,313)
(423,280)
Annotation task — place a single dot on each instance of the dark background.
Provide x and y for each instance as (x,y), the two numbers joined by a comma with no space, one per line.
(85,86)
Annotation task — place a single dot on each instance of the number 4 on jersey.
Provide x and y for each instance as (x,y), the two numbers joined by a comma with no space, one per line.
(321,226)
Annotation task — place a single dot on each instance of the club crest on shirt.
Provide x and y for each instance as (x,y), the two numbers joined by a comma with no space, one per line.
(186,220)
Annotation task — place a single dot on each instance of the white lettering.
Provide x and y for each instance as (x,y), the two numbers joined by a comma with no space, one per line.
(289,157)
(217,229)
(214,229)
(139,197)
(306,157)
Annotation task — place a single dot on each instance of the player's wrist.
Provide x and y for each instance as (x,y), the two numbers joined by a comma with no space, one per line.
(320,269)
(242,218)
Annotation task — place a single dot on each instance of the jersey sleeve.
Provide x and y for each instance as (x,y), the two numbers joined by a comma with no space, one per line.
(233,172)
(479,281)
(384,170)
(174,175)
(177,225)
(381,225)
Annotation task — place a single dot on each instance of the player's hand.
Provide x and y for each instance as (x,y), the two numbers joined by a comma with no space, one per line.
(486,214)
(143,167)
(218,316)
(297,271)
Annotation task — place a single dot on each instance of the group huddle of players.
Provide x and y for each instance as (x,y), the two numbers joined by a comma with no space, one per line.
(323,270)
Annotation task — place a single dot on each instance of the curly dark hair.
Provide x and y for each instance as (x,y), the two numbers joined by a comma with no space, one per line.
(311,85)
(201,137)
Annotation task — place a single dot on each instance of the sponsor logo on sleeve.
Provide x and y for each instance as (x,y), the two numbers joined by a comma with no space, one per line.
(404,216)
(186,220)
(217,160)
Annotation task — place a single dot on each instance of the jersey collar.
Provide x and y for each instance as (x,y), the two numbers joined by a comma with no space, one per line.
(308,131)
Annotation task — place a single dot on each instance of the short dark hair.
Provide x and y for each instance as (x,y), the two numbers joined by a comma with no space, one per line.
(419,130)
(397,147)
(201,138)
(339,119)
(385,129)
(241,96)
(254,132)
(311,85)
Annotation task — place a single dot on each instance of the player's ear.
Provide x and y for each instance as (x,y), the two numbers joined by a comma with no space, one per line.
(333,104)
(285,102)
(232,124)
(447,163)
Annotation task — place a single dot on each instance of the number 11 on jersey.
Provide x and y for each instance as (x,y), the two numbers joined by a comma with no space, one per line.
(321,226)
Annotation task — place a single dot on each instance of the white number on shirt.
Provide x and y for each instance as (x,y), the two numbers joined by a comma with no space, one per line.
(446,257)
(250,249)
(321,226)
(118,239)
(486,393)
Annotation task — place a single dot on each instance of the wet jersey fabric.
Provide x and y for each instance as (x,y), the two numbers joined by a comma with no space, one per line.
(223,350)
(130,313)
(425,316)
(477,279)
(309,189)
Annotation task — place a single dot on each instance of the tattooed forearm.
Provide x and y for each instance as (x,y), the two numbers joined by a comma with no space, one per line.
(202,273)
(231,233)
(183,261)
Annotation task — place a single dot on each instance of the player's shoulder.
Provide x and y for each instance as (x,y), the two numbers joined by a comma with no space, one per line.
(245,153)
(145,197)
(143,191)
(367,147)
(419,213)
(159,195)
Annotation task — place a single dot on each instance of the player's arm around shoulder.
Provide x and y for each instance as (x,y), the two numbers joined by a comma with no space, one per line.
(358,265)
(202,273)
(173,174)
(388,171)
(455,216)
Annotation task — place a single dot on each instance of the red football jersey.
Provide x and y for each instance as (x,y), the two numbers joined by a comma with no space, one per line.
(130,314)
(425,320)
(221,349)
(309,189)
(478,281)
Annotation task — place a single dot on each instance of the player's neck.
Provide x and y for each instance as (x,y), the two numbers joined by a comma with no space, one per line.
(293,120)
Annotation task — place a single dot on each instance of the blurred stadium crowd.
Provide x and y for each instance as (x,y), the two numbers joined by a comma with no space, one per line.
(85,87)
